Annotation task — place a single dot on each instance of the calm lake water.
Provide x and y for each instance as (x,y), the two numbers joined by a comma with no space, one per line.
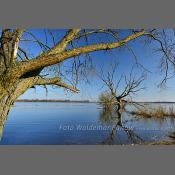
(79,123)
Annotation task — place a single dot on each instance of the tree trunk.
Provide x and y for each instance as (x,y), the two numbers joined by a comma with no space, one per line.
(9,94)
(6,102)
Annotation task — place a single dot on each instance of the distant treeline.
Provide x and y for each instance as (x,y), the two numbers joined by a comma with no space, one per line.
(78,101)
(44,100)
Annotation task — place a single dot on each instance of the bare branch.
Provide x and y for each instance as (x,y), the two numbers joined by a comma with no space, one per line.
(166,48)
(45,60)
(55,81)
(132,85)
(109,32)
(43,47)
(58,48)
(24,52)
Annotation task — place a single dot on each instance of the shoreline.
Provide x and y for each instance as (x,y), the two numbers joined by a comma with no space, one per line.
(79,101)
(67,101)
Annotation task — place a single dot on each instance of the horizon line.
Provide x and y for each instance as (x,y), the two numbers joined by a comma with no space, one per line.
(67,100)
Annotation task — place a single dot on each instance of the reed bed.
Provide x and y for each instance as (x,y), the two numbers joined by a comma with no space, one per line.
(157,112)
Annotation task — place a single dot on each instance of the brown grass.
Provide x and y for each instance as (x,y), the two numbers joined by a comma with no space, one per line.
(163,142)
(158,112)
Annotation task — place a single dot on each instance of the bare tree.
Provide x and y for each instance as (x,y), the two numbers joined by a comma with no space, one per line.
(19,70)
(115,97)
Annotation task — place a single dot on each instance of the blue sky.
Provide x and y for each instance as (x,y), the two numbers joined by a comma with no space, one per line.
(123,57)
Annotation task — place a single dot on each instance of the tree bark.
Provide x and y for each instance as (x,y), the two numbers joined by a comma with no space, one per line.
(6,102)
(9,93)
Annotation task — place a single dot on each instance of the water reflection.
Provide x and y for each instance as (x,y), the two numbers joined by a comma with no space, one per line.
(115,118)
(39,123)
